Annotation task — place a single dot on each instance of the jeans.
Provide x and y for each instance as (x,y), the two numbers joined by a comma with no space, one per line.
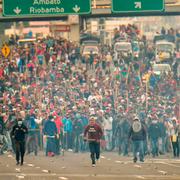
(78,143)
(94,148)
(32,143)
(8,140)
(108,139)
(163,144)
(138,147)
(175,146)
(20,150)
(123,146)
(154,146)
(67,140)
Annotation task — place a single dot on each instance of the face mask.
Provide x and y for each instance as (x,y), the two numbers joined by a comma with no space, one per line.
(19,123)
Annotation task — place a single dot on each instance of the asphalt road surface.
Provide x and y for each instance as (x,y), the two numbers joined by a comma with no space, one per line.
(73,166)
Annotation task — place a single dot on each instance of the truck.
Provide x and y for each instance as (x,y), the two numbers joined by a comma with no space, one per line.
(165,46)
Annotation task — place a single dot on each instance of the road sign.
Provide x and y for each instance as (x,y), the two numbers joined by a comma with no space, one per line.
(137,5)
(45,7)
(5,51)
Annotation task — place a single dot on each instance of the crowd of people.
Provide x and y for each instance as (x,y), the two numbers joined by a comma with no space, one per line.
(55,90)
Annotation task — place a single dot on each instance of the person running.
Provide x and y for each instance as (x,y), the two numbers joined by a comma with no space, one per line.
(93,133)
(18,133)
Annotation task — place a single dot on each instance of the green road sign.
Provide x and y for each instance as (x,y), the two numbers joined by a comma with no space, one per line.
(23,8)
(137,5)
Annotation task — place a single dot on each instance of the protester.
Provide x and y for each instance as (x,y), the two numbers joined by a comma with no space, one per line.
(93,134)
(18,133)
(137,133)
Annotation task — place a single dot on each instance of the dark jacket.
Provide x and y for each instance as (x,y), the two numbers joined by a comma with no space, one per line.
(154,131)
(2,125)
(50,128)
(137,136)
(122,129)
(162,129)
(19,132)
(93,132)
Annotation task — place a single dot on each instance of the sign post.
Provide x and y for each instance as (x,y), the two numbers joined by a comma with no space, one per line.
(45,7)
(120,6)
(5,50)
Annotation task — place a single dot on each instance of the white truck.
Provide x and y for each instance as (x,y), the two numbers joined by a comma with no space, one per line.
(164,52)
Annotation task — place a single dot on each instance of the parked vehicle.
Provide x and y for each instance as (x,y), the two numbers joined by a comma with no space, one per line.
(123,49)
(26,42)
(164,52)
(159,69)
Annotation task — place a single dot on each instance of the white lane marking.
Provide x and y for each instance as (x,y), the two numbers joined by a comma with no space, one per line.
(63,178)
(163,172)
(44,170)
(137,166)
(103,157)
(31,165)
(170,164)
(20,177)
(18,169)
(140,177)
(87,175)
(118,161)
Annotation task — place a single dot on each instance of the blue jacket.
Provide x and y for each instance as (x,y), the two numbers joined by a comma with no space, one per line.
(67,124)
(50,128)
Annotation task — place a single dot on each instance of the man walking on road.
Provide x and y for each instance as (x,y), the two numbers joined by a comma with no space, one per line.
(93,133)
(18,133)
(137,133)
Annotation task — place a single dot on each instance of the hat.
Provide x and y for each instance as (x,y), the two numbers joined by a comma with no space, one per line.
(136,118)
(51,117)
(92,117)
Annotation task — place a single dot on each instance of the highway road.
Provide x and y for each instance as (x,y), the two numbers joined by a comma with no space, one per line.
(73,166)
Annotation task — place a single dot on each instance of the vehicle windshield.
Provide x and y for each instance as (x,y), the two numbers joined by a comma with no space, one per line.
(164,47)
(88,49)
(161,68)
(26,42)
(122,47)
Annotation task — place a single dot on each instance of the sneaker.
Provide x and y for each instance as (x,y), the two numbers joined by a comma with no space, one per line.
(93,165)
(141,160)
(21,164)
(17,163)
(135,160)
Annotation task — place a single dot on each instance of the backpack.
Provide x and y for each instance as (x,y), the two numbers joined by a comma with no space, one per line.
(136,126)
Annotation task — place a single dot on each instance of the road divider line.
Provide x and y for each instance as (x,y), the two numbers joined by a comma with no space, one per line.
(63,178)
(45,171)
(137,166)
(172,165)
(31,165)
(163,172)
(92,175)
(140,177)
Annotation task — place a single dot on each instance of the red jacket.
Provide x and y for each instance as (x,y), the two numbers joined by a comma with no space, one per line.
(93,132)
